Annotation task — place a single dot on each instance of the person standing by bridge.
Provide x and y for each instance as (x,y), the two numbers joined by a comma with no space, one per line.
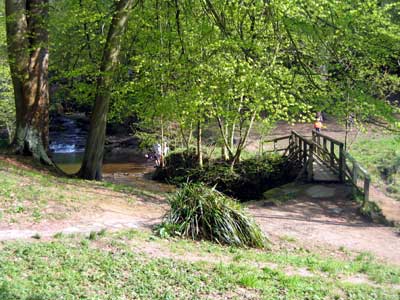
(318,125)
(319,119)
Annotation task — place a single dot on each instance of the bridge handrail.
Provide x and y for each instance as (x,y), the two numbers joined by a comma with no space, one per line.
(354,174)
(338,161)
(306,150)
(331,139)
(300,136)
(275,141)
(333,158)
(360,168)
(285,137)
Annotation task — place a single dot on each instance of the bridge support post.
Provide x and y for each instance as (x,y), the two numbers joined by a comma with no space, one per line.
(355,177)
(342,163)
(367,182)
(310,167)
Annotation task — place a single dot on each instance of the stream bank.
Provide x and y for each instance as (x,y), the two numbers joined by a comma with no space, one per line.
(124,161)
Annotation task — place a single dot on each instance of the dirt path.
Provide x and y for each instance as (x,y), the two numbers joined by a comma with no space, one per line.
(319,215)
(322,215)
(112,214)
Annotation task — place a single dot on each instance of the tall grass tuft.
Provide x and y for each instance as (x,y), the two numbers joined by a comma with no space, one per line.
(202,213)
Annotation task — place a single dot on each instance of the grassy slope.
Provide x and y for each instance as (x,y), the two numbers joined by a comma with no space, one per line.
(32,196)
(133,265)
(381,156)
(137,265)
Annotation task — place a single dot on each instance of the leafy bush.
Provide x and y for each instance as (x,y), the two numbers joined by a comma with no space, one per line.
(200,212)
(247,181)
(178,167)
(3,143)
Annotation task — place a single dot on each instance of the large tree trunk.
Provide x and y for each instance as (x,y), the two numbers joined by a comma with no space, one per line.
(93,158)
(27,38)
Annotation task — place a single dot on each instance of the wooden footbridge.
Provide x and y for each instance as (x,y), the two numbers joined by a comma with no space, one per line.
(320,158)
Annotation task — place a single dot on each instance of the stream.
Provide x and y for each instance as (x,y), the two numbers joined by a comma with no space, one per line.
(123,163)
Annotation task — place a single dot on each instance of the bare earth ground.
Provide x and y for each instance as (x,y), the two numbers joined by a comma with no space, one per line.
(318,216)
(110,210)
(323,215)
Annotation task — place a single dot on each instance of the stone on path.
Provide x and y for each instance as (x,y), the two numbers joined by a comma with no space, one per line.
(320,191)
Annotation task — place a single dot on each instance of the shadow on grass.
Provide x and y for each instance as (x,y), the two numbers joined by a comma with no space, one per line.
(6,294)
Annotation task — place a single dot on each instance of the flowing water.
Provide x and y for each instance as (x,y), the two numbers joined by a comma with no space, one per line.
(126,165)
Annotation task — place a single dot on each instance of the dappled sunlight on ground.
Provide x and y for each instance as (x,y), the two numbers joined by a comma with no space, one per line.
(314,215)
(330,219)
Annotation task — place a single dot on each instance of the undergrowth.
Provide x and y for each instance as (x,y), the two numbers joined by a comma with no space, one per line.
(199,212)
(248,180)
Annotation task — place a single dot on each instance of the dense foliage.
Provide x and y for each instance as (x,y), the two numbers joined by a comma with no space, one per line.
(248,180)
(186,63)
(7,108)
(200,212)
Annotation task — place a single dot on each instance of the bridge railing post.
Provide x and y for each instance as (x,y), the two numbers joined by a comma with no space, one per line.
(332,154)
(314,136)
(325,151)
(291,143)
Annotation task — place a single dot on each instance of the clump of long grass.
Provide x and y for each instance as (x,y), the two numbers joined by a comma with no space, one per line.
(202,213)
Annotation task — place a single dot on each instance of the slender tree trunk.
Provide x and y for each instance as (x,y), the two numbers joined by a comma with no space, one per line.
(243,141)
(187,141)
(199,144)
(225,154)
(184,140)
(225,138)
(190,137)
(162,158)
(232,136)
(93,158)
(27,38)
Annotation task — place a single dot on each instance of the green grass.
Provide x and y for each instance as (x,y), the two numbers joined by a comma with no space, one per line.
(113,266)
(31,195)
(363,263)
(381,157)
(138,265)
